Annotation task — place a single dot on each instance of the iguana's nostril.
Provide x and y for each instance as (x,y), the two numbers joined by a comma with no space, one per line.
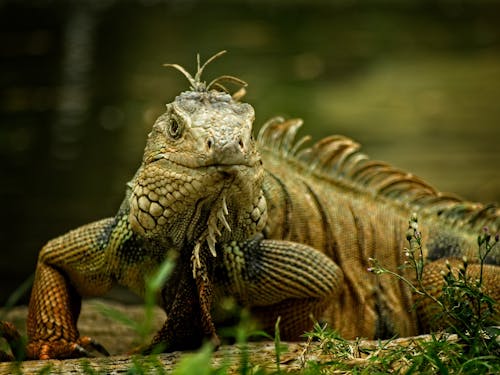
(210,143)
(240,143)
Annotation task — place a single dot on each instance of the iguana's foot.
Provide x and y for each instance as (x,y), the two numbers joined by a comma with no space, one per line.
(166,347)
(64,349)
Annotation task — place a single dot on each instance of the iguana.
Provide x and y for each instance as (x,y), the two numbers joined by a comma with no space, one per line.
(284,229)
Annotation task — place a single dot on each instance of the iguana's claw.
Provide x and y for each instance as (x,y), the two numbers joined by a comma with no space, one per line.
(6,357)
(82,351)
(64,349)
(16,344)
(95,345)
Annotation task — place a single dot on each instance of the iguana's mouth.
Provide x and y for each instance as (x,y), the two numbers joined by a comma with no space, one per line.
(200,164)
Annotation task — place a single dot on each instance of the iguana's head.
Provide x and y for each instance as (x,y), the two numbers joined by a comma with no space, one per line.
(201,174)
(204,129)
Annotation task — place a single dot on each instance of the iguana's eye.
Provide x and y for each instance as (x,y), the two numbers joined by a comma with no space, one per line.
(174,129)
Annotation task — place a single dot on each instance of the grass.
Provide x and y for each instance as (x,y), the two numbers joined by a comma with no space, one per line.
(462,303)
(153,285)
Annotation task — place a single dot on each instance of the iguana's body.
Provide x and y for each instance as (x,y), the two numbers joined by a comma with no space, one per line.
(351,208)
(287,239)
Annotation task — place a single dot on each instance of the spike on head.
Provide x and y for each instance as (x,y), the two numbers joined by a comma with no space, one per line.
(196,84)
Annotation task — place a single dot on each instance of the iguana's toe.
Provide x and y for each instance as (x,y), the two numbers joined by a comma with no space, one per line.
(60,349)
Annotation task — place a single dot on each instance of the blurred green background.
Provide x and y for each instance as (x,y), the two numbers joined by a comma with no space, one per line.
(416,82)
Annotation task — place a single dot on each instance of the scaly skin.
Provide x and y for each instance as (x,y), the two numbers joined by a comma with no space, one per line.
(286,232)
(333,198)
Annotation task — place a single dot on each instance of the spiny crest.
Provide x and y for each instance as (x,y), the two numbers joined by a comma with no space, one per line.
(338,158)
(197,85)
(216,220)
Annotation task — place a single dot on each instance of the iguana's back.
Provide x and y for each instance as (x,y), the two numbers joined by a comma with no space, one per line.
(335,199)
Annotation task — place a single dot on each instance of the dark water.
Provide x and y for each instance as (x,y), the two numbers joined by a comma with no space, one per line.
(81,83)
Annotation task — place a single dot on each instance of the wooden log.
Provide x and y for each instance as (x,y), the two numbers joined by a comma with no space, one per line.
(119,338)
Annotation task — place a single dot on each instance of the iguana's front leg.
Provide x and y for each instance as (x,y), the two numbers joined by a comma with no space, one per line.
(280,278)
(69,267)
(187,301)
